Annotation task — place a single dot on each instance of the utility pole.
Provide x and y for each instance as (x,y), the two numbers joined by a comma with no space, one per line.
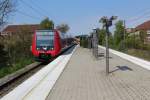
(107,22)
(124,35)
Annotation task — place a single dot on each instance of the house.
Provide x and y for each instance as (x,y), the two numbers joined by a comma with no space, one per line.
(145,27)
(130,30)
(142,27)
(12,29)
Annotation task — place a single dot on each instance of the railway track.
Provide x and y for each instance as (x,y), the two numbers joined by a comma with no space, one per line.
(10,85)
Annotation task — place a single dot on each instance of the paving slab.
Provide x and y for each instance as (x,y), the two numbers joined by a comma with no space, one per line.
(84,78)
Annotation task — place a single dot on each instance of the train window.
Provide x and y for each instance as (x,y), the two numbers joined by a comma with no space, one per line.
(45,39)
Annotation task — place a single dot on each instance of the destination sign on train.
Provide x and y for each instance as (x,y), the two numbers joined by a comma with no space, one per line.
(45,33)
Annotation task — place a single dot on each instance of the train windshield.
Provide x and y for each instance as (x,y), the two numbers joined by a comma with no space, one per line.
(45,39)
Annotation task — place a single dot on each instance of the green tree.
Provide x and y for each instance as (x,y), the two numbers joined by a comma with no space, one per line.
(142,35)
(63,28)
(101,36)
(3,57)
(119,34)
(84,42)
(111,41)
(18,45)
(102,32)
(47,24)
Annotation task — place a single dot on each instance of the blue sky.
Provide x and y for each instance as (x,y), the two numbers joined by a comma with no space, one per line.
(81,15)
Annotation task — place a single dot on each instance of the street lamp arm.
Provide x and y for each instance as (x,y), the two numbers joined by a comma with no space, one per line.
(113,18)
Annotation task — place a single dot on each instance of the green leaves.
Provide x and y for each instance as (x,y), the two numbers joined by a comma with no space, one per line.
(3,56)
(101,36)
(15,54)
(142,36)
(63,28)
(47,24)
(119,32)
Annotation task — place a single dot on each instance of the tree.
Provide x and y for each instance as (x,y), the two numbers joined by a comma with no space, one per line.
(142,36)
(3,57)
(119,33)
(25,38)
(63,28)
(106,22)
(84,41)
(101,36)
(6,7)
(18,45)
(47,24)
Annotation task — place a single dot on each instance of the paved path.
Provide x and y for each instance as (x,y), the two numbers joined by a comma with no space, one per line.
(84,79)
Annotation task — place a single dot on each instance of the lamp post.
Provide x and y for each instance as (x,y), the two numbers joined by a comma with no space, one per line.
(95,40)
(107,22)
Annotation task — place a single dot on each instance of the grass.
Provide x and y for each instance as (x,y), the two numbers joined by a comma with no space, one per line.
(144,54)
(15,67)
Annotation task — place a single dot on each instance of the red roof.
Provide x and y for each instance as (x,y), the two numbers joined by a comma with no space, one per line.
(145,26)
(17,28)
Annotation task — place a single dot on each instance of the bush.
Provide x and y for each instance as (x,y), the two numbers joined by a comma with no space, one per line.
(3,57)
(84,42)
(15,54)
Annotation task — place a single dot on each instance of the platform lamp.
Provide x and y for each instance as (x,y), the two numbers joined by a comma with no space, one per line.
(107,22)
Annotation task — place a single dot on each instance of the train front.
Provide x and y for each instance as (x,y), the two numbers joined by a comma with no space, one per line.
(44,45)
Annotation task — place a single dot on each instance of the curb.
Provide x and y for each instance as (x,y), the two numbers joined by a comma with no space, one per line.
(143,63)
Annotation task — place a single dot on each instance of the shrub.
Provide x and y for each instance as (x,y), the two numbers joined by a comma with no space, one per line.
(3,57)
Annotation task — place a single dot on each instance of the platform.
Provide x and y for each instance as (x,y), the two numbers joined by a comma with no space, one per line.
(84,78)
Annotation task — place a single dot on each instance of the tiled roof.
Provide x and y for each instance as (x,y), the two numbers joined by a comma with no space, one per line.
(17,28)
(145,26)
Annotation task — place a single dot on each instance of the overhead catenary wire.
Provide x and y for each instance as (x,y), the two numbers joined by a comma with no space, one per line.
(140,17)
(40,8)
(34,9)
(28,15)
(138,22)
(144,12)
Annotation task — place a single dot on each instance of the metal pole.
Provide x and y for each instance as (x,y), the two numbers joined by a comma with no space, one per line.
(124,34)
(107,50)
(107,23)
(96,45)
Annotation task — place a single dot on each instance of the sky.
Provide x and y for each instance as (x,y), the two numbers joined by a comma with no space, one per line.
(81,15)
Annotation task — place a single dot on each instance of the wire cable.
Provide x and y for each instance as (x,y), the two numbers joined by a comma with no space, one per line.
(37,11)
(133,20)
(28,15)
(43,10)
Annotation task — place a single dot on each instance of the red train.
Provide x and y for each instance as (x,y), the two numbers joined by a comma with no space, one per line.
(47,44)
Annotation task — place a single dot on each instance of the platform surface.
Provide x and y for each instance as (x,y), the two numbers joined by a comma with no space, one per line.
(84,78)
